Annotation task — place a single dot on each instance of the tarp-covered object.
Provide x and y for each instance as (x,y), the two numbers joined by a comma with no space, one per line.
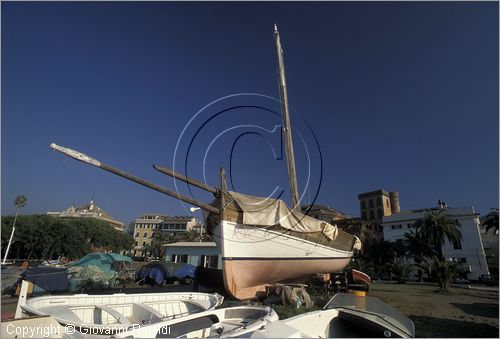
(153,272)
(275,215)
(260,211)
(105,261)
(186,271)
(50,279)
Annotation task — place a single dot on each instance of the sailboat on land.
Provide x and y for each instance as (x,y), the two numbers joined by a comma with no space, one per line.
(262,240)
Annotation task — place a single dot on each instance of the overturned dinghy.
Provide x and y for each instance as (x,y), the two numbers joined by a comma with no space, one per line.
(345,316)
(232,322)
(109,314)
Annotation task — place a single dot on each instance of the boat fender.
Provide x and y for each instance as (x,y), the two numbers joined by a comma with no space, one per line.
(357,244)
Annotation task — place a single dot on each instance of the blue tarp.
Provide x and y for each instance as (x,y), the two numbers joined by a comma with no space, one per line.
(50,279)
(152,272)
(186,271)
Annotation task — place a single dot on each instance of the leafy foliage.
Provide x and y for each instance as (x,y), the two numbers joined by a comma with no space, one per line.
(436,226)
(48,237)
(401,269)
(442,271)
(417,247)
(490,221)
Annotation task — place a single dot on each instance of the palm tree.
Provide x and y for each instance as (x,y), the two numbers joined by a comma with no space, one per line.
(443,271)
(426,265)
(436,226)
(400,268)
(490,220)
(417,247)
(20,202)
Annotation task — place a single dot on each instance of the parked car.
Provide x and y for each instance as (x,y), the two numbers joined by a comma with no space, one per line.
(487,279)
(459,280)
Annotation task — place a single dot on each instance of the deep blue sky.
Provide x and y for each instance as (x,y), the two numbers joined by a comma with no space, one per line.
(400,96)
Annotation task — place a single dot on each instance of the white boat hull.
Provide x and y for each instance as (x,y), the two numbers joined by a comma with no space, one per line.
(232,322)
(254,257)
(351,317)
(109,314)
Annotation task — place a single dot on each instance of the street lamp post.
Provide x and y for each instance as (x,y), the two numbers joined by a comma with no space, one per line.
(194,209)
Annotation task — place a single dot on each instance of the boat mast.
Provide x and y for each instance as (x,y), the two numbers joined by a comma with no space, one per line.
(287,131)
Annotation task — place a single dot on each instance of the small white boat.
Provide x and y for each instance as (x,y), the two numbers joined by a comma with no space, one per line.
(232,322)
(108,314)
(345,316)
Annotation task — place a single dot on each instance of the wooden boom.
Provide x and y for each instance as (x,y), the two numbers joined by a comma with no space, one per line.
(91,161)
(186,179)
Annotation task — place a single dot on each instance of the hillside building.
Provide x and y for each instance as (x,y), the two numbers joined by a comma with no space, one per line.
(90,210)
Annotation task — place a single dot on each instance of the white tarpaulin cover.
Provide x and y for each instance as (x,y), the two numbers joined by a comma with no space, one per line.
(268,212)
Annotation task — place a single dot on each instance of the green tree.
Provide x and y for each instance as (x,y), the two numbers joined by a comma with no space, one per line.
(436,226)
(48,237)
(443,271)
(20,202)
(417,247)
(490,220)
(400,268)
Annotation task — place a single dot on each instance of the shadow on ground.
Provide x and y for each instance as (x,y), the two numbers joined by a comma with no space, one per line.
(428,327)
(480,309)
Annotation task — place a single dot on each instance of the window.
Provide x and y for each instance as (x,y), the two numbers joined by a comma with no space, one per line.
(371,203)
(363,205)
(379,213)
(180,258)
(372,215)
(387,202)
(143,243)
(209,261)
(379,201)
(137,235)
